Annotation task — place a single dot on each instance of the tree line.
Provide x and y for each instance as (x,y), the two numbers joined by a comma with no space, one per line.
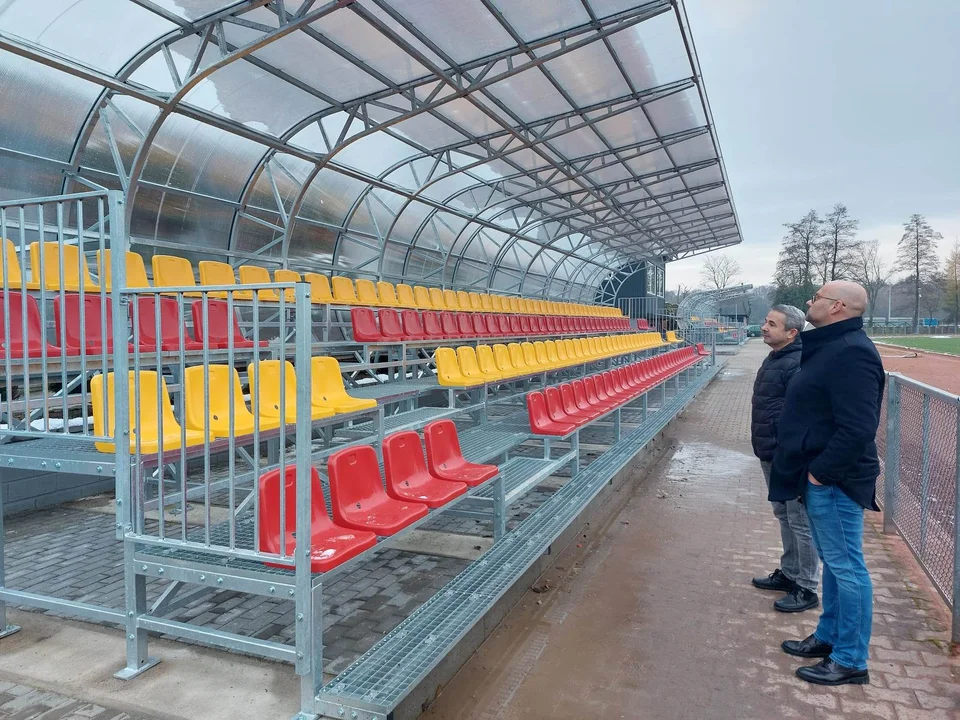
(818,249)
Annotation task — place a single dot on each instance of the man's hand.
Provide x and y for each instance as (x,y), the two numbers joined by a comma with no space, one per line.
(813,480)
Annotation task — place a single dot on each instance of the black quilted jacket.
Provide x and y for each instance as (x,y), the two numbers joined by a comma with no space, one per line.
(769,389)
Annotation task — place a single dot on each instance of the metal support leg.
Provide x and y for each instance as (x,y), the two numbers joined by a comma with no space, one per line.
(575,449)
(616,425)
(644,407)
(891,465)
(378,423)
(5,628)
(547,445)
(499,510)
(136,605)
(311,680)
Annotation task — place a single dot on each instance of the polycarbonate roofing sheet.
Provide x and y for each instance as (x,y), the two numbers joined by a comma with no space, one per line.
(471,132)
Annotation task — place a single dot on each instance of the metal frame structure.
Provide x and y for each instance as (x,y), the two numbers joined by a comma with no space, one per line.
(439,163)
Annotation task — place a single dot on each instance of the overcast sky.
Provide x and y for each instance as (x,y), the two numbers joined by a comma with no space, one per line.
(825,101)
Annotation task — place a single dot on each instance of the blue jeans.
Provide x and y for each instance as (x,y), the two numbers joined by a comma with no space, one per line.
(836,523)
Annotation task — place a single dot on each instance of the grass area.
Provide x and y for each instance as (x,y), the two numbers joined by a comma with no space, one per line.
(949,345)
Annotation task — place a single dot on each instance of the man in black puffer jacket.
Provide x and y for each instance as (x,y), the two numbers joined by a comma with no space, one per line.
(798,573)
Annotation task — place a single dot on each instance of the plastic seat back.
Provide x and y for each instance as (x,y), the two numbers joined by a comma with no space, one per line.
(517,359)
(319,288)
(442,446)
(479,325)
(580,394)
(423,299)
(364,323)
(10,263)
(486,302)
(469,364)
(487,361)
(530,357)
(463,300)
(256,275)
(448,321)
(387,294)
(276,532)
(551,347)
(97,323)
(497,302)
(282,275)
(35,340)
(515,327)
(448,369)
(432,329)
(465,325)
(367,293)
(75,269)
(403,460)
(502,358)
(146,412)
(224,382)
(266,391)
(343,291)
(327,390)
(514,303)
(412,326)
(503,325)
(217,273)
(555,406)
(570,349)
(390,326)
(355,482)
(136,271)
(561,352)
(438,300)
(405,296)
(171,324)
(219,327)
(173,271)
(493,327)
(450,300)
(542,359)
(525,328)
(476,302)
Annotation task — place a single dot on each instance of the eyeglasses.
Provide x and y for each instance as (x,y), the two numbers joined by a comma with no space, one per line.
(818,296)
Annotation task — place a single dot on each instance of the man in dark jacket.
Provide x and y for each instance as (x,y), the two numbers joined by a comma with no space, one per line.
(827,454)
(799,570)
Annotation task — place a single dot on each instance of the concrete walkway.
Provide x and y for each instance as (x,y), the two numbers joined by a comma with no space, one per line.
(652,615)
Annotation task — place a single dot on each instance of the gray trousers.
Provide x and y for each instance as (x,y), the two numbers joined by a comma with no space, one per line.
(799,562)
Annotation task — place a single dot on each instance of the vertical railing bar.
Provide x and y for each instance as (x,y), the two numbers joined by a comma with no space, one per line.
(282,329)
(253,383)
(43,324)
(205,359)
(231,414)
(63,324)
(924,470)
(182,470)
(125,507)
(7,319)
(955,626)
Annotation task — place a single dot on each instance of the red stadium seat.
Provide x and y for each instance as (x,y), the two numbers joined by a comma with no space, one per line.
(540,421)
(479,325)
(516,327)
(413,328)
(390,327)
(407,476)
(34,343)
(219,327)
(364,323)
(503,323)
(448,322)
(445,460)
(97,324)
(171,324)
(493,328)
(465,325)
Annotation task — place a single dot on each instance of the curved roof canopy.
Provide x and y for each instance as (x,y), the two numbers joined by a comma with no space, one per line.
(518,145)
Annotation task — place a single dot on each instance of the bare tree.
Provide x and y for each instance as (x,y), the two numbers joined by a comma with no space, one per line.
(868,269)
(953,282)
(917,256)
(932,294)
(719,272)
(837,247)
(795,266)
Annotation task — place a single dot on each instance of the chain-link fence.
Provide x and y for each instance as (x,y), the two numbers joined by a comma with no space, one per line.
(919,441)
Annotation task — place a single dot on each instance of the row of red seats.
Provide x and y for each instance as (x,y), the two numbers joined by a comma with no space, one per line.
(388,325)
(642,324)
(87,336)
(559,410)
(362,508)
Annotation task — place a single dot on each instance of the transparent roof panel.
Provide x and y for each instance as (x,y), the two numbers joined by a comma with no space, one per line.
(530,95)
(463,30)
(652,52)
(534,19)
(589,75)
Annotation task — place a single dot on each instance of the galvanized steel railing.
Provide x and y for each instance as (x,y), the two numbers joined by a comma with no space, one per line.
(919,441)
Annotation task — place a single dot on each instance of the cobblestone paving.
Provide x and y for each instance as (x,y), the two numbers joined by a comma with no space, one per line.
(18,702)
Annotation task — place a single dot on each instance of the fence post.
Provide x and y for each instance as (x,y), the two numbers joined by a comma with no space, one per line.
(955,628)
(891,468)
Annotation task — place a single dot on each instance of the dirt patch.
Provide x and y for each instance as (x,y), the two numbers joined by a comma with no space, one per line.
(940,371)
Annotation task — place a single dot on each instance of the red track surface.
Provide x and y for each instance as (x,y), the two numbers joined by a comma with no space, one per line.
(941,371)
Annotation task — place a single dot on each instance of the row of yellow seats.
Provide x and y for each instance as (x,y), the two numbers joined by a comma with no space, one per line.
(467,365)
(173,271)
(672,338)
(328,398)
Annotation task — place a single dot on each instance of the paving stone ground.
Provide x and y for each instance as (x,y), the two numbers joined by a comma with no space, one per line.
(655,616)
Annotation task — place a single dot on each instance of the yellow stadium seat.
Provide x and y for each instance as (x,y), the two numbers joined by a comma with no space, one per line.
(502,358)
(224,381)
(565,359)
(448,369)
(543,360)
(319,288)
(470,365)
(463,300)
(387,294)
(517,360)
(216,273)
(486,302)
(497,302)
(136,271)
(450,300)
(553,355)
(511,304)
(438,301)
(145,415)
(406,296)
(476,302)
(579,350)
(343,291)
(281,275)
(570,349)
(327,389)
(367,293)
(424,298)
(256,275)
(265,391)
(530,357)
(75,268)
(173,271)
(14,272)
(487,361)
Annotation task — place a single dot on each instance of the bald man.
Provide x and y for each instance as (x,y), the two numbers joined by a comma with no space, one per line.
(827,456)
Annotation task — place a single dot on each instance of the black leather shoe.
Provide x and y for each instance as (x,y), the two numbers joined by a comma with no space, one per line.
(827,672)
(809,647)
(797,600)
(774,581)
